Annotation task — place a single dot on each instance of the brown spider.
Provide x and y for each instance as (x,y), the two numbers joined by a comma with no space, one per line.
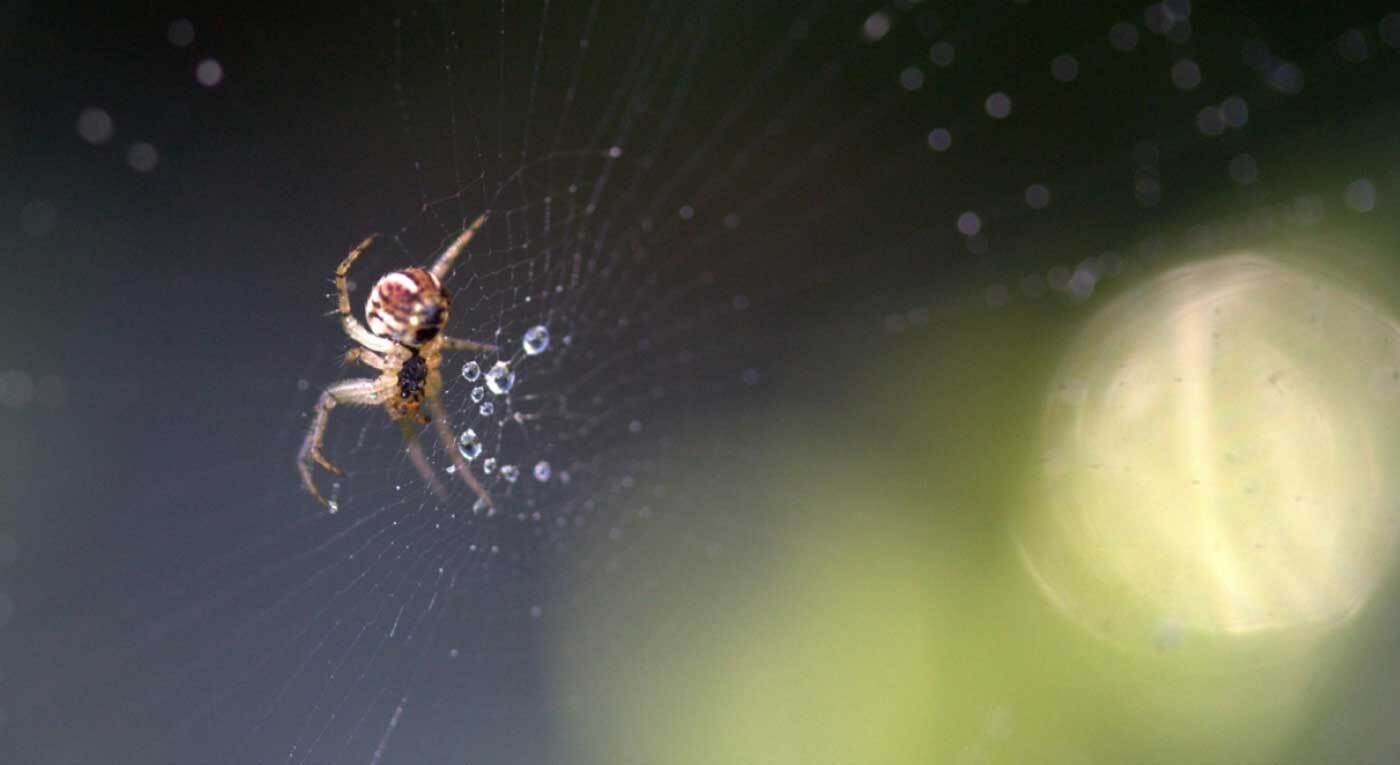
(406,312)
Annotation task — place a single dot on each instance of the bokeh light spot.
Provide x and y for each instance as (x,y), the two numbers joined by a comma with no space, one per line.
(1216,456)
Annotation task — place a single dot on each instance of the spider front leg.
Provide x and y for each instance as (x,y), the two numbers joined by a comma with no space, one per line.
(359,392)
(353,327)
(444,262)
(458,344)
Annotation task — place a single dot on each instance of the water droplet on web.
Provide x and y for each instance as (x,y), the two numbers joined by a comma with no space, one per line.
(541,471)
(180,33)
(1244,169)
(510,472)
(142,157)
(500,379)
(998,105)
(876,26)
(478,393)
(1064,68)
(969,223)
(209,72)
(1123,36)
(489,466)
(1186,74)
(942,54)
(469,444)
(487,409)
(911,78)
(1037,196)
(1361,195)
(479,505)
(95,125)
(536,340)
(471,371)
(333,506)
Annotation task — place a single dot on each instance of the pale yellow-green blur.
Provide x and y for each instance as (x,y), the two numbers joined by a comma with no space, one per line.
(1138,530)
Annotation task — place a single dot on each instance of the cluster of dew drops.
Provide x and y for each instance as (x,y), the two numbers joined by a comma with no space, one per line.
(498,381)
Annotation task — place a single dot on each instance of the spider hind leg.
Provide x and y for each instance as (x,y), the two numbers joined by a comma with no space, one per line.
(357,392)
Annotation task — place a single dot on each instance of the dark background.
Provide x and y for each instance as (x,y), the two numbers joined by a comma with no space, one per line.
(166,318)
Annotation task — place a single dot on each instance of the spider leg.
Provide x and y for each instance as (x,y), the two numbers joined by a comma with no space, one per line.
(365,356)
(434,404)
(358,392)
(353,327)
(458,344)
(420,460)
(444,262)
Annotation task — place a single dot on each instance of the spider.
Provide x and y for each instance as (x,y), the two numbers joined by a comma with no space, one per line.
(406,313)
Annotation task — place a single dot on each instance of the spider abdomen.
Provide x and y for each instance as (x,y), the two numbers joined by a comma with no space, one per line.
(407,306)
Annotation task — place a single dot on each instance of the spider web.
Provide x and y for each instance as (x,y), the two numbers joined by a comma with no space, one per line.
(710,209)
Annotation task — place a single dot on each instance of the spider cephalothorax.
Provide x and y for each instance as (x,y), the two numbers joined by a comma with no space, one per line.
(408,306)
(407,311)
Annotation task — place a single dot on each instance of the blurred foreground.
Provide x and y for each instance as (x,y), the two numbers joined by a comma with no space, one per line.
(1155,527)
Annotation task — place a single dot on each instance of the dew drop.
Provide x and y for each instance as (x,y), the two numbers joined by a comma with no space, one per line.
(942,54)
(478,393)
(536,340)
(876,26)
(471,371)
(487,409)
(180,33)
(510,472)
(912,78)
(1123,36)
(541,471)
(500,378)
(209,72)
(998,106)
(1361,195)
(142,157)
(469,444)
(95,125)
(1064,68)
(1038,196)
(1186,74)
(489,466)
(1244,169)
